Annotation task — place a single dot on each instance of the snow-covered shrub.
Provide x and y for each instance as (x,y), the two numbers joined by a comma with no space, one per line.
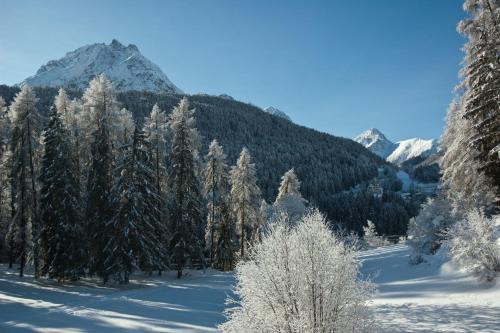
(474,244)
(425,232)
(371,238)
(300,279)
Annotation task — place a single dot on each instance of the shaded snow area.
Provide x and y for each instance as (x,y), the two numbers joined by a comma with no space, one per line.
(193,304)
(430,297)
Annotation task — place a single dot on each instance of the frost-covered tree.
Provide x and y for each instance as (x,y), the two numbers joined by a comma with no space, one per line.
(5,171)
(245,198)
(187,233)
(371,236)
(4,128)
(481,84)
(70,113)
(464,185)
(25,121)
(155,129)
(426,230)
(100,104)
(123,128)
(289,199)
(217,194)
(301,279)
(61,232)
(474,244)
(133,227)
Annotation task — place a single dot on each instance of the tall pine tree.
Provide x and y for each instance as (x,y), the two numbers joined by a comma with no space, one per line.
(100,103)
(245,198)
(481,84)
(61,231)
(217,194)
(187,234)
(155,129)
(25,121)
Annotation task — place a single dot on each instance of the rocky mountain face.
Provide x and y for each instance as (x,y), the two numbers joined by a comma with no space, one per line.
(125,66)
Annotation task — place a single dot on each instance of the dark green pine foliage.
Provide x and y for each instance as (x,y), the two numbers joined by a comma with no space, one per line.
(187,217)
(99,206)
(133,241)
(225,242)
(62,253)
(151,251)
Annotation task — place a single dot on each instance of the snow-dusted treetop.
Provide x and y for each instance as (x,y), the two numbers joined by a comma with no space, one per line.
(398,152)
(277,112)
(124,65)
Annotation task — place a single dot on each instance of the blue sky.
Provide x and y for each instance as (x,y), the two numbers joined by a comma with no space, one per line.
(339,66)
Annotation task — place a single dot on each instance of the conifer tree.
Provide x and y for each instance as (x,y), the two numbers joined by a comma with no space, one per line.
(100,103)
(61,229)
(70,112)
(289,200)
(155,129)
(133,242)
(4,167)
(245,197)
(217,194)
(25,120)
(481,84)
(187,233)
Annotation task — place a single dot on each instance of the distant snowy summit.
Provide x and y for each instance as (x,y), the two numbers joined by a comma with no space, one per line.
(376,142)
(277,112)
(398,152)
(124,65)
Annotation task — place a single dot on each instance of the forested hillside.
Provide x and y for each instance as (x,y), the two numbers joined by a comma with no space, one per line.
(325,164)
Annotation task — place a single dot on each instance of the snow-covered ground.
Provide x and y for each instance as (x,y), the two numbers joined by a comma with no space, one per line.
(430,297)
(193,304)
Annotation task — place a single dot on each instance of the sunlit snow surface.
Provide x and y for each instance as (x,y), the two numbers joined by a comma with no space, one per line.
(430,297)
(193,304)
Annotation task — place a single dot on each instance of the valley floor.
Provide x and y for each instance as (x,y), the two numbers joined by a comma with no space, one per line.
(424,298)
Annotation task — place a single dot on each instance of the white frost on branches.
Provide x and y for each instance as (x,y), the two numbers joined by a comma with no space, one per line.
(301,279)
(474,244)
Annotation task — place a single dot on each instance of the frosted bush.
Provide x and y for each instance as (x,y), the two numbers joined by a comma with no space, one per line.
(473,244)
(300,279)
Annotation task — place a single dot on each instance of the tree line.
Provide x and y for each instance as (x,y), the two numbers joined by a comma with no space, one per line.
(95,192)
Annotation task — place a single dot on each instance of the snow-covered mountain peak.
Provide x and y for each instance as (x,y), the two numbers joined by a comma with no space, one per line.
(398,152)
(376,142)
(125,66)
(277,112)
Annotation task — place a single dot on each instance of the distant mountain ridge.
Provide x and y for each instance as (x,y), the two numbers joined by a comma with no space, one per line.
(398,152)
(125,66)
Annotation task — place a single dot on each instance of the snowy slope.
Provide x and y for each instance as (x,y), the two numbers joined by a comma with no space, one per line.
(376,142)
(408,149)
(277,112)
(126,67)
(430,297)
